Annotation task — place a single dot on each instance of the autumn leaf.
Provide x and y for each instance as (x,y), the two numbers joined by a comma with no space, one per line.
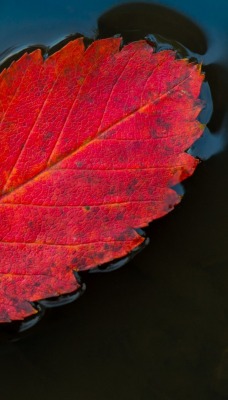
(92,142)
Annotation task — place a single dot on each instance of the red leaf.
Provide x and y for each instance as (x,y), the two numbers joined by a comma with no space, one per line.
(91,143)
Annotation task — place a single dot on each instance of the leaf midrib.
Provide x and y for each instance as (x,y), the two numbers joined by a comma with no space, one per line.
(84,145)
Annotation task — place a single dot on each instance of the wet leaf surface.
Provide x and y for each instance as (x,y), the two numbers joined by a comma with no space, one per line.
(92,141)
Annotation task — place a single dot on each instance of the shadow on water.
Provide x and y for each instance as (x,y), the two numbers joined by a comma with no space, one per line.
(136,20)
(217,76)
(158,329)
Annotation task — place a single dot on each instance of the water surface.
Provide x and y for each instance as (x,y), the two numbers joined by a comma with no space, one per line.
(157,329)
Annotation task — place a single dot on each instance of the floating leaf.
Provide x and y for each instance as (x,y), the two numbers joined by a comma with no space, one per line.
(91,143)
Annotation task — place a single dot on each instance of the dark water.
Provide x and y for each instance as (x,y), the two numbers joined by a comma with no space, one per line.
(156,329)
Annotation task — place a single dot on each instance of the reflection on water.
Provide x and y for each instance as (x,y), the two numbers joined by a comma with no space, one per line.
(158,328)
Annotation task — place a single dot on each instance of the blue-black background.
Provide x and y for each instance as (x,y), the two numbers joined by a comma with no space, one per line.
(158,328)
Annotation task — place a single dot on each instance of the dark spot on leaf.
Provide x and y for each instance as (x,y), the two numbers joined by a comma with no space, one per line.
(48,135)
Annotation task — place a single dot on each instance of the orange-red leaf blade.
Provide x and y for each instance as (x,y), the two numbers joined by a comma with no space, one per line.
(92,143)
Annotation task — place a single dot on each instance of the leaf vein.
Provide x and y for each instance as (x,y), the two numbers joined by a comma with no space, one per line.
(141,108)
